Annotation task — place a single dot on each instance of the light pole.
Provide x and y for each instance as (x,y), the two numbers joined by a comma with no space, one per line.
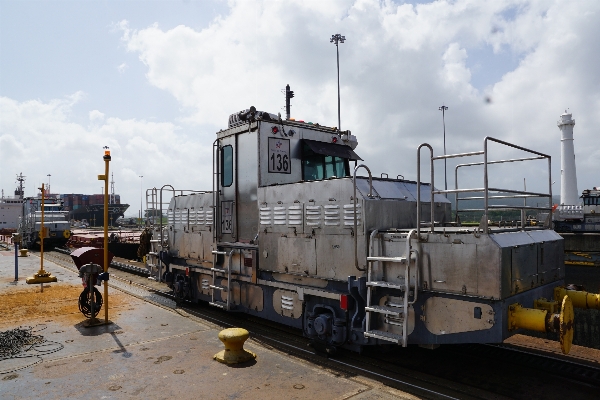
(141,191)
(337,38)
(443,110)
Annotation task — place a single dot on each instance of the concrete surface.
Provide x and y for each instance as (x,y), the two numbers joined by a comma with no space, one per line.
(151,351)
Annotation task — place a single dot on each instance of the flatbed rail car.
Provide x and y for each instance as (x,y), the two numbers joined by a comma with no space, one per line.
(290,234)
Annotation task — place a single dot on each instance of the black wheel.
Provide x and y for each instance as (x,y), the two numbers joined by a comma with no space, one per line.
(85,301)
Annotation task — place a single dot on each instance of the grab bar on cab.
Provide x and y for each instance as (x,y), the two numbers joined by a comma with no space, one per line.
(354,202)
(419,187)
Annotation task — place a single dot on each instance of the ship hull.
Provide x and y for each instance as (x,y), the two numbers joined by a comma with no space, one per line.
(94,214)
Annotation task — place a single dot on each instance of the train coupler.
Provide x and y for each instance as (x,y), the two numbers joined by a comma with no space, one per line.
(546,318)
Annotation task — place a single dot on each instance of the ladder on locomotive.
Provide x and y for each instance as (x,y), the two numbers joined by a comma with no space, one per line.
(220,271)
(399,311)
(153,260)
(156,209)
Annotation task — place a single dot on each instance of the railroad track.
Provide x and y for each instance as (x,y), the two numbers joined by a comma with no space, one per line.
(453,371)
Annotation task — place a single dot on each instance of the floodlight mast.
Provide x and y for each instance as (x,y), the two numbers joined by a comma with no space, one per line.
(337,38)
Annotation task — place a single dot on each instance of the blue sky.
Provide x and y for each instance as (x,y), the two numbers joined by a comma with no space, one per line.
(60,47)
(156,79)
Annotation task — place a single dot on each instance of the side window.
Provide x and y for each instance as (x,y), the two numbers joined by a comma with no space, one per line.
(226,166)
(317,166)
(312,164)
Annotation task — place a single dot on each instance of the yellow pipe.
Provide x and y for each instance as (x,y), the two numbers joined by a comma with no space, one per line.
(526,318)
(544,321)
(580,299)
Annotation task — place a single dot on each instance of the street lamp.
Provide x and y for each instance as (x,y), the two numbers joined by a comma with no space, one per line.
(141,191)
(443,110)
(337,38)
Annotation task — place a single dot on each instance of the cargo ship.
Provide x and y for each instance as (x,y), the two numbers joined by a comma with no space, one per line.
(90,207)
(11,209)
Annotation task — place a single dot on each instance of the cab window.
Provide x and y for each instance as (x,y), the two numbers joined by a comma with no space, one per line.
(226,166)
(318,166)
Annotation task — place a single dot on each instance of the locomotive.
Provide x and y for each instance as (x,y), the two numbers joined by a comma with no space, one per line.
(290,233)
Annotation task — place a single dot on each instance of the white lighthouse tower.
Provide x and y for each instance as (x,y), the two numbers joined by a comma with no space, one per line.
(568,174)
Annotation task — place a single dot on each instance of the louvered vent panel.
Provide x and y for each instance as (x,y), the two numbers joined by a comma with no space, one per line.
(313,215)
(349,214)
(265,215)
(295,215)
(332,215)
(200,217)
(209,217)
(279,217)
(287,302)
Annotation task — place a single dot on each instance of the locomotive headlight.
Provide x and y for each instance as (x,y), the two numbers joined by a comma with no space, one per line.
(334,139)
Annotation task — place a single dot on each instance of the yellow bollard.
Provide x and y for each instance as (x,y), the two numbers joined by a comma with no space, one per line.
(23,253)
(542,320)
(579,298)
(234,353)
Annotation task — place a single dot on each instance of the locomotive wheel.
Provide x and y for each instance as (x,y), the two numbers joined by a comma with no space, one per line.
(566,325)
(85,299)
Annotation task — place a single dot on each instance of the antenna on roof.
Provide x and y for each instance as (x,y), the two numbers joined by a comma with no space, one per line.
(288,95)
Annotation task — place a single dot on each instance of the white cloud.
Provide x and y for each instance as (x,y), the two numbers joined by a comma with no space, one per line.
(40,138)
(96,115)
(399,63)
(122,68)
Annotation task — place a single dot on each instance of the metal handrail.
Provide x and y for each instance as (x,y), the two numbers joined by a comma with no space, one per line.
(419,187)
(216,182)
(524,194)
(486,189)
(410,250)
(354,202)
(161,231)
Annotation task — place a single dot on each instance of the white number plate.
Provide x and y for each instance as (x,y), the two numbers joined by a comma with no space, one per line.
(279,156)
(226,216)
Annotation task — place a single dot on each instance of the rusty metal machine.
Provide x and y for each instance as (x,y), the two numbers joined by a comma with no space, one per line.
(290,233)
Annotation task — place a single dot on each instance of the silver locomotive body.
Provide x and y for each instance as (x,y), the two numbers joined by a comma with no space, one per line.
(287,234)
